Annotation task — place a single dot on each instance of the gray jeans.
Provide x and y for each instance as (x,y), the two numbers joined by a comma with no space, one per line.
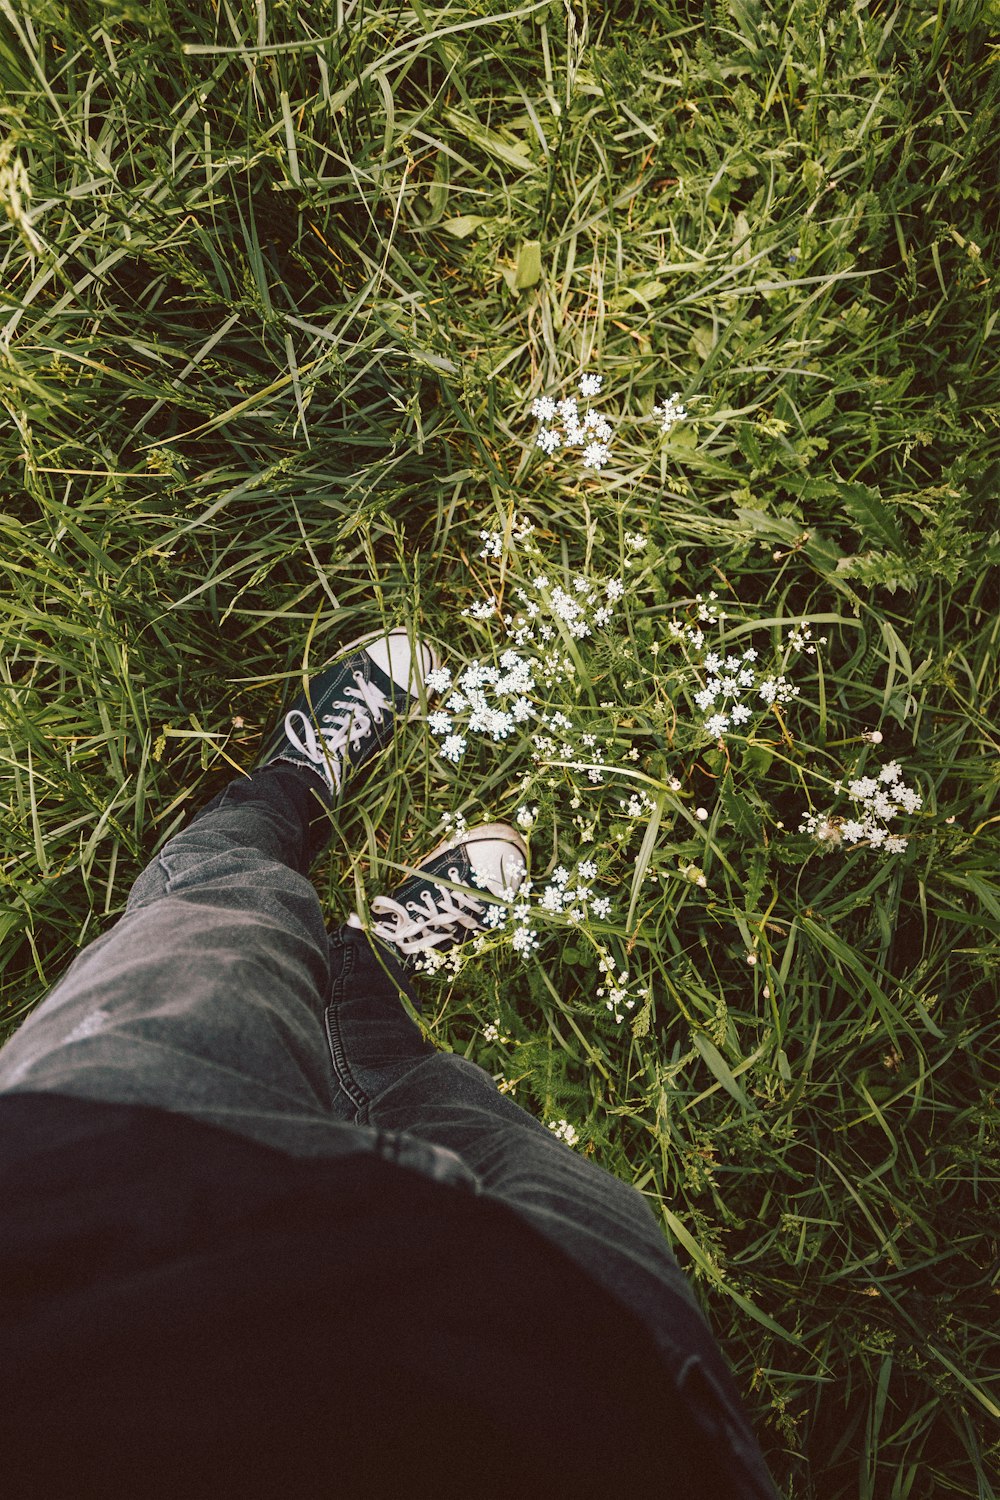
(220,994)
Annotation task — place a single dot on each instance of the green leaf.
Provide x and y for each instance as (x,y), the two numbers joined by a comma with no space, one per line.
(757,758)
(529,265)
(462,226)
(740,812)
(754,885)
(872,516)
(437,193)
(512,153)
(720,1070)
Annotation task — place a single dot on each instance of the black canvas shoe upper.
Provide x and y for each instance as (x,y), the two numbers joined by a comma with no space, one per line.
(422,913)
(347,717)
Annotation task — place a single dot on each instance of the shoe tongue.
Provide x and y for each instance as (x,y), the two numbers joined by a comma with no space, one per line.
(454,866)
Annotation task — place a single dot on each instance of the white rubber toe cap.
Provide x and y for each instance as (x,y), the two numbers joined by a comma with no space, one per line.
(394,655)
(498,857)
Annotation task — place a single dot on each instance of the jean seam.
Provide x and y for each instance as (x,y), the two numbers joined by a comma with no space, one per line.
(343,1077)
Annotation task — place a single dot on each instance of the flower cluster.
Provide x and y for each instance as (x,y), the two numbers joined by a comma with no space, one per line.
(494,1032)
(449,962)
(670,412)
(564,425)
(801,639)
(707,612)
(877,800)
(522,691)
(564,1131)
(559,740)
(730,683)
(492,701)
(521,533)
(618,991)
(639,804)
(735,686)
(485,700)
(566,895)
(585,606)
(572,895)
(546,611)
(588,431)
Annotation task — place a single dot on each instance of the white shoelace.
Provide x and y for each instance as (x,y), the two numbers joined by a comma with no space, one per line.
(338,730)
(435,918)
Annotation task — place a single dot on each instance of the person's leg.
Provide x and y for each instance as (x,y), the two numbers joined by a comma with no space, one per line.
(206,998)
(373,1042)
(390,1077)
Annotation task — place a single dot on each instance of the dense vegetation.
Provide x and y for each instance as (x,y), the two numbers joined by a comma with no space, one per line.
(280,284)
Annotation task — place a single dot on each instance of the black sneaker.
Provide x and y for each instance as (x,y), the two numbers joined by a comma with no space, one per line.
(349,711)
(424,913)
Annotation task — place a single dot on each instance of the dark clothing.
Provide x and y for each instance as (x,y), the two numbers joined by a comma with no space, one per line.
(259,1237)
(188,1312)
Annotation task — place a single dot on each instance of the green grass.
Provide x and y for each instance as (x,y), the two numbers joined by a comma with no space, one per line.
(273,319)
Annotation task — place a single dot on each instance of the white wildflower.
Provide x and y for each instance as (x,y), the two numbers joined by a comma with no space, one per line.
(561,1128)
(595,455)
(670,412)
(544,408)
